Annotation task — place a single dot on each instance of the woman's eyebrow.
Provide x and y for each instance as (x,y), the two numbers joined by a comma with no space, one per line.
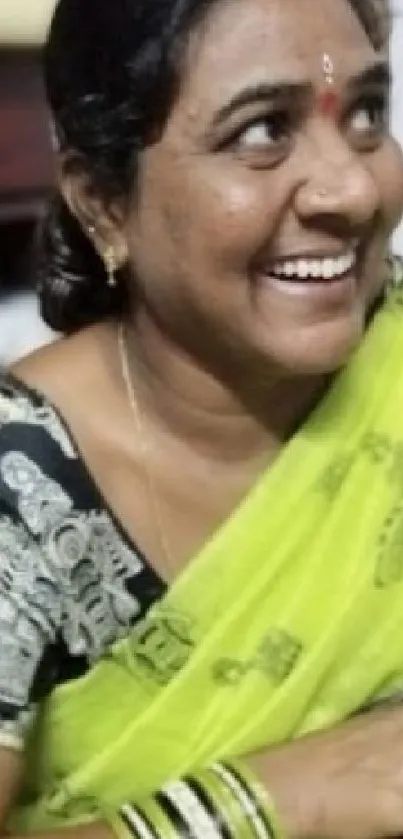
(261,92)
(377,73)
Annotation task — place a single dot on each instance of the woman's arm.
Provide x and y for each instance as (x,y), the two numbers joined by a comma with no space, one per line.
(343,783)
(11,772)
(11,768)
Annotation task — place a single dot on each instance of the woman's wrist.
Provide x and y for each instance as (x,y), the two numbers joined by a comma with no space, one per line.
(286,776)
(257,799)
(222,801)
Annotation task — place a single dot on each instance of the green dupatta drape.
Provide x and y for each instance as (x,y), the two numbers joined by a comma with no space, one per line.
(289,619)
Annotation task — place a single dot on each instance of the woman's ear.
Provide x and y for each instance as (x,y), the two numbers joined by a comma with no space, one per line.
(101,222)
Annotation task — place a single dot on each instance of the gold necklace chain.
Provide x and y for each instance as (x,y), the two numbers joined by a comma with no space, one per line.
(144,443)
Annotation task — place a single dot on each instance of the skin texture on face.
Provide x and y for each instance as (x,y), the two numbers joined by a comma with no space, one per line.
(250,173)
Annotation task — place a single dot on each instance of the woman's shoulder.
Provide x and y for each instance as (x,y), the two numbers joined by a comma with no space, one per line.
(28,417)
(27,420)
(37,446)
(51,409)
(71,372)
(35,449)
(58,367)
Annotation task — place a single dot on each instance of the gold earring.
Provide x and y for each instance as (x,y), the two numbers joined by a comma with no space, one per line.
(110,267)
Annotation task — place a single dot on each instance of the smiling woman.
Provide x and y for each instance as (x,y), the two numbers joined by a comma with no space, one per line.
(200,485)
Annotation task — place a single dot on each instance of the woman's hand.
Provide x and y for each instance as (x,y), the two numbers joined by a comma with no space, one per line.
(11,770)
(343,783)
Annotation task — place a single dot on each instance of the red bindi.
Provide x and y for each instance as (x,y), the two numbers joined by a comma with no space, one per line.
(329,102)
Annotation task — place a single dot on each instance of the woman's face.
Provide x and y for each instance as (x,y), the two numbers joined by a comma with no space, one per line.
(263,214)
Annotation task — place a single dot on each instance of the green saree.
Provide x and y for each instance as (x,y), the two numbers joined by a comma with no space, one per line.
(287,621)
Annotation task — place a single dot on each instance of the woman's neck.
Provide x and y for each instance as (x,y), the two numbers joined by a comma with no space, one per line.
(195,405)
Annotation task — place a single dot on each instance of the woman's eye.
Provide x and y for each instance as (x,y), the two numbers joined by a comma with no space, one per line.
(369,117)
(267,131)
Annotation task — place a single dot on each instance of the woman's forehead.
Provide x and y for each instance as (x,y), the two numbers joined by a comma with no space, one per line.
(279,39)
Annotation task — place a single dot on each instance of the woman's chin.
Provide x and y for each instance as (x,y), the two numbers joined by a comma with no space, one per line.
(320,348)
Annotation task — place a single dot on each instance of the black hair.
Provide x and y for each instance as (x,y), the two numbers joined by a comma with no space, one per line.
(112,69)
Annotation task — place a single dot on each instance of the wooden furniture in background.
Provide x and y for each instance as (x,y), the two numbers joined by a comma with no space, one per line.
(25,154)
(26,173)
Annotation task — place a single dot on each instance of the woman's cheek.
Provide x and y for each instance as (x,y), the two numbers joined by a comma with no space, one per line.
(240,214)
(387,170)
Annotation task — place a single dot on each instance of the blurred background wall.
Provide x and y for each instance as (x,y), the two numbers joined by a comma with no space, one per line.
(24,21)
(26,170)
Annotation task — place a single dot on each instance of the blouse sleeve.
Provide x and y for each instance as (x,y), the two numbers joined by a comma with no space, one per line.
(30,611)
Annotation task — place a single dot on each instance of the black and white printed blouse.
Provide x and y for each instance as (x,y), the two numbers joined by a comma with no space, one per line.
(71,581)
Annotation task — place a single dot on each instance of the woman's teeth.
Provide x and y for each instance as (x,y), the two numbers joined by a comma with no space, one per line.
(317,270)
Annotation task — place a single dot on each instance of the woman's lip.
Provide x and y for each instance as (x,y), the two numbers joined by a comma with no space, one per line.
(332,290)
(309,280)
(317,254)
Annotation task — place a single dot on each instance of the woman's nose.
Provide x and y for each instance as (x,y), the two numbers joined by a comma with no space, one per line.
(339,185)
